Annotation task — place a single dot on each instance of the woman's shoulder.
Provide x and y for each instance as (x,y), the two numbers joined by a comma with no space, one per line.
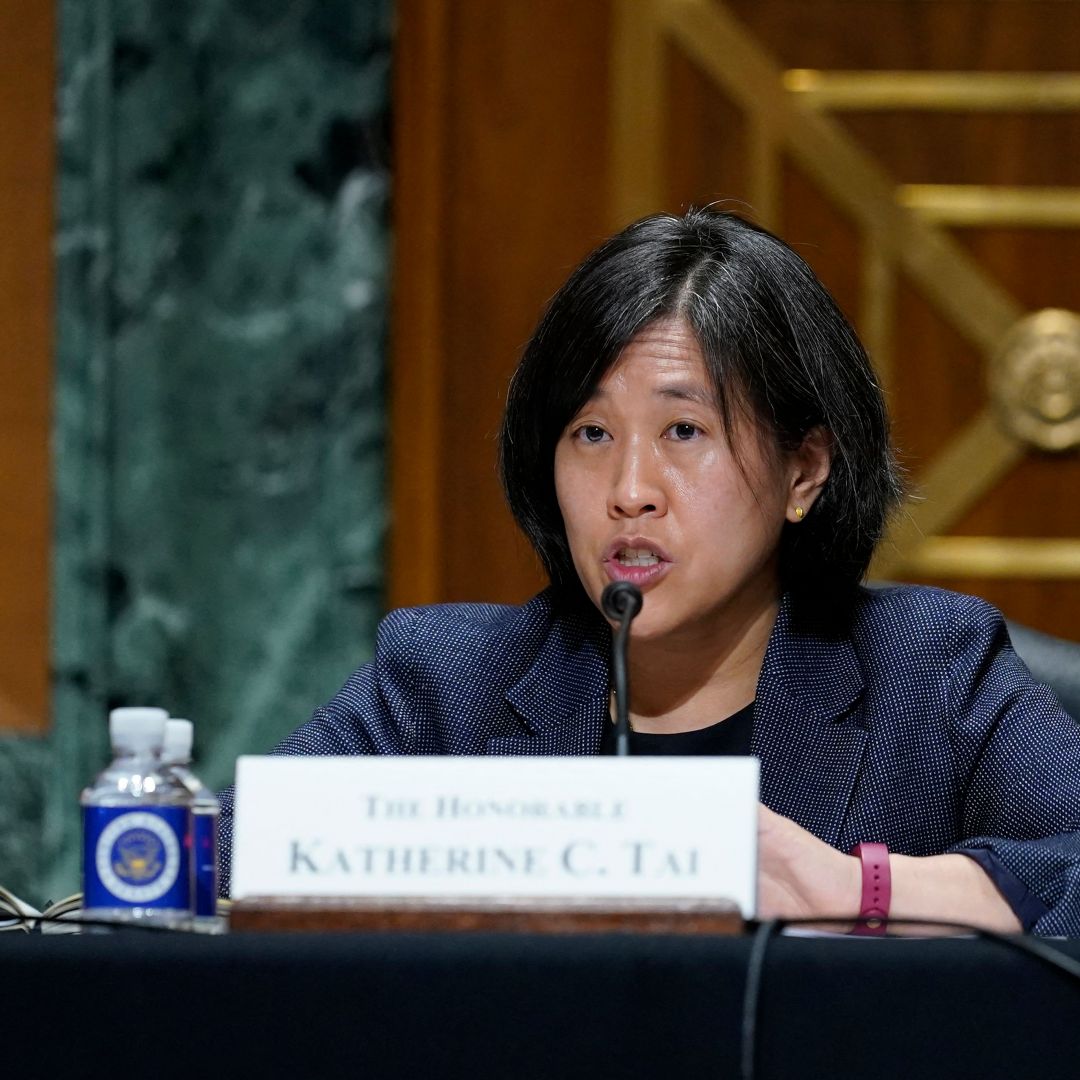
(504,633)
(919,619)
(894,639)
(923,604)
(451,620)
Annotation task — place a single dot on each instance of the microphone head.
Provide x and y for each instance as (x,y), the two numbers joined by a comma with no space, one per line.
(621,600)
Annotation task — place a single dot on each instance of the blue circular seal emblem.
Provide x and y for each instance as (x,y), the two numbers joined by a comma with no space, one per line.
(137,857)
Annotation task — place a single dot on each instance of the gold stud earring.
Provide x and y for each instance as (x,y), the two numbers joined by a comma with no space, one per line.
(799,512)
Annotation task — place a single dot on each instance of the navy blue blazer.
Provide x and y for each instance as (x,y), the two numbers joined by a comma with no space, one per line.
(919,727)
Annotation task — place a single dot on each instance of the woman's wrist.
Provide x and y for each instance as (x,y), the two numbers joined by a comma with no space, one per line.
(852,895)
(838,894)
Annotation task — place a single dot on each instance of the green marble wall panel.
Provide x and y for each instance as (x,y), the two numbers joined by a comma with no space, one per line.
(222,258)
(22,777)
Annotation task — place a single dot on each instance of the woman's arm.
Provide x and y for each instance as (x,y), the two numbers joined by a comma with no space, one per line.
(1011,858)
(800,876)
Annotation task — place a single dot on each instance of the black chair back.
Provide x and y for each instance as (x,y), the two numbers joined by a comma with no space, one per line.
(1053,661)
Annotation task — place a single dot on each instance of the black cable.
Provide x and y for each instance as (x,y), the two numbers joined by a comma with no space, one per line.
(1039,949)
(752,996)
(1029,946)
(26,924)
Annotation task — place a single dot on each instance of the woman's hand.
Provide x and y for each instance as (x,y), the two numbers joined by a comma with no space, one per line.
(800,876)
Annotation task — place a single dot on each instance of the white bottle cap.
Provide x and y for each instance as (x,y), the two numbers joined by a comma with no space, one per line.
(178,738)
(137,728)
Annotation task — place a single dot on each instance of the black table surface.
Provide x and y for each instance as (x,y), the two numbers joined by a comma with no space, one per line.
(490,1005)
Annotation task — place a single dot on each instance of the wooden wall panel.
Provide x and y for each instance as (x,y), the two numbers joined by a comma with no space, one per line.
(927,408)
(500,168)
(26,179)
(939,378)
(916,34)
(706,148)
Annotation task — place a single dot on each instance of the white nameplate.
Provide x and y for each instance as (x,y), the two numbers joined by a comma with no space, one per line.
(498,826)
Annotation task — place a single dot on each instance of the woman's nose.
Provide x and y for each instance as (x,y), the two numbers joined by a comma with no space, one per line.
(636,487)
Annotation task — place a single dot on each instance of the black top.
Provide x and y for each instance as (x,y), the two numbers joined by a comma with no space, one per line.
(730,736)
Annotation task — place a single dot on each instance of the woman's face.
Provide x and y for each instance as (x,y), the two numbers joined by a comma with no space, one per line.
(651,492)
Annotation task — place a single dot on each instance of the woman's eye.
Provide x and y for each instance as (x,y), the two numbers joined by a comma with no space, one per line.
(683,431)
(591,433)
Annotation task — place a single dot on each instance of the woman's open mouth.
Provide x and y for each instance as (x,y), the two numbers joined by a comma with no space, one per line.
(638,561)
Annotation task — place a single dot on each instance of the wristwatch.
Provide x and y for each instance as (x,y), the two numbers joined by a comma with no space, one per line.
(876,889)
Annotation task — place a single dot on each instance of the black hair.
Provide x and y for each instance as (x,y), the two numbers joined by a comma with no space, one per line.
(773,340)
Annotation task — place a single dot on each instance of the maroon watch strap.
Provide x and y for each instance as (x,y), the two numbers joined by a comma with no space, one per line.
(876,889)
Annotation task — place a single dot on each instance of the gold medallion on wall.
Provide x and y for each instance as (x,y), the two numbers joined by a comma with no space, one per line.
(1035,380)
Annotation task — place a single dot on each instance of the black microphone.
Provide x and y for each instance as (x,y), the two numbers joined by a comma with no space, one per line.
(621,599)
(620,602)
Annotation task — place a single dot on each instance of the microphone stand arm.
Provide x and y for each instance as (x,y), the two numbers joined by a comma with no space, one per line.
(621,680)
(620,602)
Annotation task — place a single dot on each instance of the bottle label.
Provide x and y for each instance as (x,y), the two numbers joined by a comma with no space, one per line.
(136,858)
(204,830)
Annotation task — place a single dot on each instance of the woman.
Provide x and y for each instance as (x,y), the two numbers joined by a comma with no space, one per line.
(694,414)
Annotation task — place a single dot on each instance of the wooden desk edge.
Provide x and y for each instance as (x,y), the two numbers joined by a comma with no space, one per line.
(530,915)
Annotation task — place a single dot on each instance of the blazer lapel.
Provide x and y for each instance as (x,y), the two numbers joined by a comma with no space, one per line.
(807,730)
(562,700)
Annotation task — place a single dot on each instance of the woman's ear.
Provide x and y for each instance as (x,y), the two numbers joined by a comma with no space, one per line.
(810,465)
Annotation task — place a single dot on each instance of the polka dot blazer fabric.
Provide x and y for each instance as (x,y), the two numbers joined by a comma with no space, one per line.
(919,727)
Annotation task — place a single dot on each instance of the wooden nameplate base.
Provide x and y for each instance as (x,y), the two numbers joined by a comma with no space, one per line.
(457,914)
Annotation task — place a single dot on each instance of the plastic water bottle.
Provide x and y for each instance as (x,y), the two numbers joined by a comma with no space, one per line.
(136,829)
(205,810)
